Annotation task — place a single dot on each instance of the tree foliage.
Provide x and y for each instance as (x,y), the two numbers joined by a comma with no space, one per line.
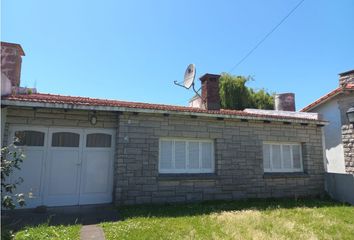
(234,94)
(11,158)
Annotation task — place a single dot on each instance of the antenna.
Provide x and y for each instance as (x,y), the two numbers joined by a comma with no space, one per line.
(189,76)
(188,80)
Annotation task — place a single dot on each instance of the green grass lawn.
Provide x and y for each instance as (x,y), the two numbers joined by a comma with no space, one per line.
(252,219)
(45,231)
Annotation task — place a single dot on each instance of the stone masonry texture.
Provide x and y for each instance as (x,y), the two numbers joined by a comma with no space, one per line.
(238,159)
(348,146)
(238,155)
(347,133)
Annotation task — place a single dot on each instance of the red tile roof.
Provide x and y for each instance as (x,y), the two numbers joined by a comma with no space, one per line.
(59,99)
(328,96)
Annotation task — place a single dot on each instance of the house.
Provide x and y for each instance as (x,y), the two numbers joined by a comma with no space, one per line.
(87,151)
(338,134)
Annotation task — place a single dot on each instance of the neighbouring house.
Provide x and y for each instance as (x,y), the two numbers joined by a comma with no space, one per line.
(85,151)
(339,133)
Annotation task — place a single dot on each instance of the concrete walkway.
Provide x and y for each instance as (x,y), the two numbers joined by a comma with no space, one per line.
(92,232)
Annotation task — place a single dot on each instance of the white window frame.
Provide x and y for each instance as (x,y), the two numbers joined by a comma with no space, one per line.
(187,170)
(292,169)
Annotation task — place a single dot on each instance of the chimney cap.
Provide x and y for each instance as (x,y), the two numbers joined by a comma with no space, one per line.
(14,45)
(346,73)
(208,75)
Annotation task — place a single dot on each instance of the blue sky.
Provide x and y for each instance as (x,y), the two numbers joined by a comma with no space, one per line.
(134,50)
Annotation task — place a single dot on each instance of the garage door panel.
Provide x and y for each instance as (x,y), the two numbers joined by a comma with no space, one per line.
(65,166)
(31,173)
(96,172)
(63,172)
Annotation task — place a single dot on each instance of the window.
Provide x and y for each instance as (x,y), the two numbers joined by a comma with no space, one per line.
(29,138)
(186,156)
(98,140)
(282,157)
(65,139)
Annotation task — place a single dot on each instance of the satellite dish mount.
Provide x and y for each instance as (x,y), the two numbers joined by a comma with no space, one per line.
(188,80)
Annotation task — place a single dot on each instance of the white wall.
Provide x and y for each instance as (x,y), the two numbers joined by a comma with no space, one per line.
(195,102)
(334,159)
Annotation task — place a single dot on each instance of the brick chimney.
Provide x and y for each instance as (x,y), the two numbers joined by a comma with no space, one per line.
(210,91)
(284,102)
(11,59)
(346,77)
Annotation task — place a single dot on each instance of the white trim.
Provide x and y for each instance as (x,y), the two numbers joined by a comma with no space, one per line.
(187,169)
(282,144)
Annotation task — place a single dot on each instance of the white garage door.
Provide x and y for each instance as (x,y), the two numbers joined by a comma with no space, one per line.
(65,166)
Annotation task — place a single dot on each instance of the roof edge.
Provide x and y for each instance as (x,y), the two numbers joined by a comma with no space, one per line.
(320,101)
(143,110)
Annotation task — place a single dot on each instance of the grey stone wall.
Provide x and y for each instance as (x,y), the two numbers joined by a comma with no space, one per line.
(347,133)
(238,155)
(238,159)
(348,146)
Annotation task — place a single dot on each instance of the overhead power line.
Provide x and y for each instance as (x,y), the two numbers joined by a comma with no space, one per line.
(266,36)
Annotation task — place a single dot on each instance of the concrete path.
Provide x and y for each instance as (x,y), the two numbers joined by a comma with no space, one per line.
(92,232)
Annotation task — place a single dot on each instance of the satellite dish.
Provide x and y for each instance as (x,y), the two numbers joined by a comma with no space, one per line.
(189,76)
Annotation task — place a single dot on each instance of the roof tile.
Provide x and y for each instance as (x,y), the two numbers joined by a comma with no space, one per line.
(59,99)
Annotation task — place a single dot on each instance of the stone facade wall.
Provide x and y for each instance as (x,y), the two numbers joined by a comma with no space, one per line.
(347,132)
(238,155)
(348,146)
(238,159)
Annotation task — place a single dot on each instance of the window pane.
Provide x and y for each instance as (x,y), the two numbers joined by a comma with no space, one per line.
(193,155)
(296,156)
(276,157)
(98,140)
(286,156)
(207,157)
(266,156)
(180,155)
(65,139)
(29,138)
(166,155)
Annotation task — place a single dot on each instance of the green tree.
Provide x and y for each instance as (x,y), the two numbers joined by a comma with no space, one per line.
(11,158)
(262,99)
(234,94)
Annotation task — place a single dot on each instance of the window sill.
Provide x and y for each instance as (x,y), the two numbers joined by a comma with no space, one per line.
(187,176)
(286,175)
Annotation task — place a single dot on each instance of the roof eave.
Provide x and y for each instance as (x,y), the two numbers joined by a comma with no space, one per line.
(143,110)
(309,107)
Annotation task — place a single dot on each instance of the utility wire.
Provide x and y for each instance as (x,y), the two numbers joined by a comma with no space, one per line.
(266,36)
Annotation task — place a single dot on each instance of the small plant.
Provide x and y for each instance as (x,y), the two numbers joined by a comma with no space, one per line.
(29,91)
(11,158)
